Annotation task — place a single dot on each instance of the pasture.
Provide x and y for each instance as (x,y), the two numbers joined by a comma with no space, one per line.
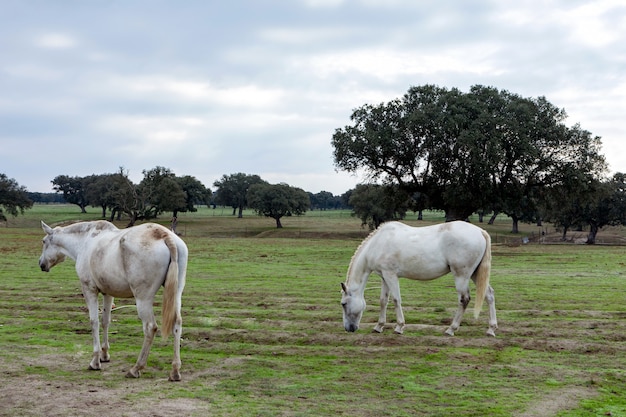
(263,333)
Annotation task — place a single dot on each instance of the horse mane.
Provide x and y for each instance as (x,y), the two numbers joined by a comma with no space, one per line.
(358,251)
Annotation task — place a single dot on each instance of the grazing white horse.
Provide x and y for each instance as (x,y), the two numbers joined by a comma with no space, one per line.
(422,253)
(126,263)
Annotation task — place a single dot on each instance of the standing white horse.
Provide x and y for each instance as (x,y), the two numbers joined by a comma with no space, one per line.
(127,263)
(422,253)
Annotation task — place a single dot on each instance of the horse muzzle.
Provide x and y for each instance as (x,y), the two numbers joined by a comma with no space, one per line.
(44,267)
(351,327)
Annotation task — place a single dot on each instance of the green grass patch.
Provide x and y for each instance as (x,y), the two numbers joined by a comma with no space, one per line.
(263,334)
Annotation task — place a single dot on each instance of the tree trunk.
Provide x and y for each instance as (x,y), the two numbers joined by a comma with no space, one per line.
(453,214)
(113,211)
(133,218)
(278,224)
(492,219)
(240,215)
(593,231)
(104,211)
(420,216)
(515,228)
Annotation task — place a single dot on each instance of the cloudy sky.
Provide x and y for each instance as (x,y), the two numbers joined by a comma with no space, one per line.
(207,87)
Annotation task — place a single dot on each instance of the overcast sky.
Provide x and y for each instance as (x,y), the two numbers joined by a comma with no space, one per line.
(207,88)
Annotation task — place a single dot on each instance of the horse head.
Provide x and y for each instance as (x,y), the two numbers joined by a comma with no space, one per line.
(353,306)
(51,254)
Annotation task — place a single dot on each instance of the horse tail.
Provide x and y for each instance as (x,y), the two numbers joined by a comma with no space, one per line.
(170,299)
(481,275)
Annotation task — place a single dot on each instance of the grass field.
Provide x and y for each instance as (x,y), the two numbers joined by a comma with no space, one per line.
(263,334)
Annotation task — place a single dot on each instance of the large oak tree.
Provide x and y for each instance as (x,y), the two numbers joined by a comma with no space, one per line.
(465,151)
(73,190)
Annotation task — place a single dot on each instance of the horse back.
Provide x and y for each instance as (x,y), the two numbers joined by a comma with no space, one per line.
(123,260)
(426,252)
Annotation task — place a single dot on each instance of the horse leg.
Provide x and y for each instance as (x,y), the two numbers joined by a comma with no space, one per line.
(462,289)
(391,280)
(491,302)
(176,363)
(106,321)
(146,314)
(493,321)
(384,300)
(91,298)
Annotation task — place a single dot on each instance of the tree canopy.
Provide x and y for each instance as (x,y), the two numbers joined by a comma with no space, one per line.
(73,190)
(466,151)
(375,204)
(13,197)
(277,201)
(597,204)
(232,190)
(325,200)
(195,193)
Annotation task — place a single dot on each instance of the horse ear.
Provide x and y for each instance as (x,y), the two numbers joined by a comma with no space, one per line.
(343,288)
(46,228)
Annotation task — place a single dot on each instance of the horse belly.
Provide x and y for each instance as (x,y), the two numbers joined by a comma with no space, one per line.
(424,271)
(110,276)
(418,266)
(113,284)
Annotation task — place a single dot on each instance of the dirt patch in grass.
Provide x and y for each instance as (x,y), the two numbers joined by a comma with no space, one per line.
(30,395)
(560,400)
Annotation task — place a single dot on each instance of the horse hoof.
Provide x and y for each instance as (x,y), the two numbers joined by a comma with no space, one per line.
(490,332)
(449,332)
(133,374)
(398,330)
(378,329)
(92,368)
(174,377)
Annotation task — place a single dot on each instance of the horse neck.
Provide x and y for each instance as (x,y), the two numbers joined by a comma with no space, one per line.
(358,273)
(72,244)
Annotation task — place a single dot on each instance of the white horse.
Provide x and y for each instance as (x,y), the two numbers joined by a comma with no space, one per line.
(127,263)
(422,253)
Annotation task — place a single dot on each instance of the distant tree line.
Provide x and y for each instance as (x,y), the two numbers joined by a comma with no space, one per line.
(45,198)
(115,194)
(162,191)
(486,151)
